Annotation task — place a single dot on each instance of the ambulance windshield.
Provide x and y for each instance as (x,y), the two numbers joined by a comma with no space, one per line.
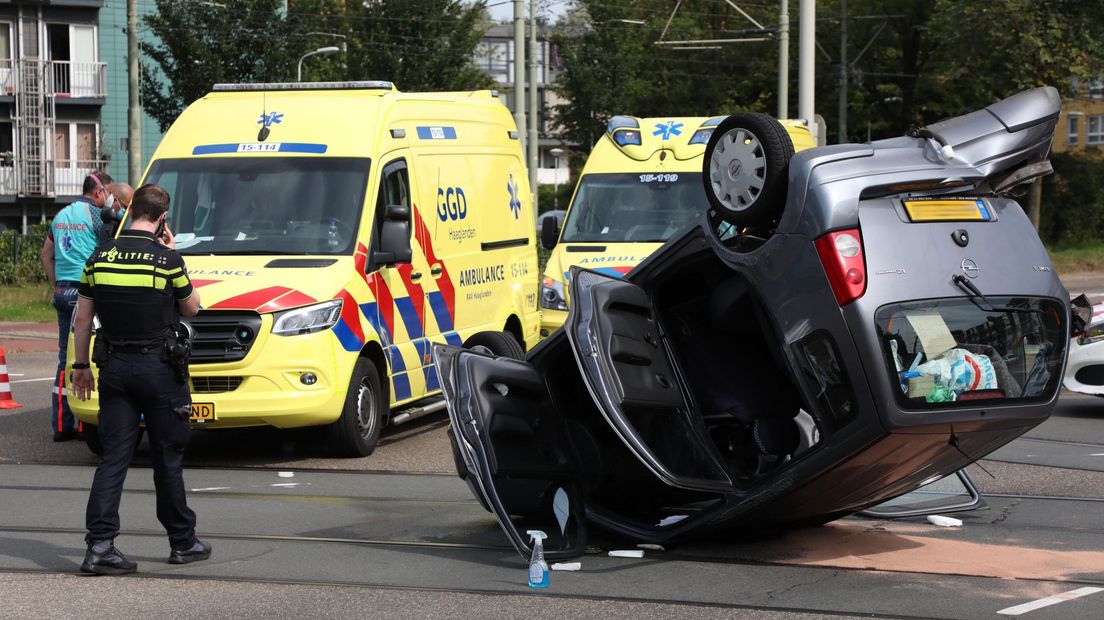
(627,207)
(269,205)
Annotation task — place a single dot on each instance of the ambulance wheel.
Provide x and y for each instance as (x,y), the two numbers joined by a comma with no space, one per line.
(357,431)
(91,436)
(746,163)
(499,344)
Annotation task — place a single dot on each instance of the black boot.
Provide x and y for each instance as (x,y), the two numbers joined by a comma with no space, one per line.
(196,553)
(110,562)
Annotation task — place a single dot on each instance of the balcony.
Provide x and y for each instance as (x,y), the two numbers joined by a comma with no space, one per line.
(7,177)
(77,80)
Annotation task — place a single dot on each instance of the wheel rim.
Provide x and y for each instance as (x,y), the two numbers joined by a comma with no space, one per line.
(366,410)
(737,169)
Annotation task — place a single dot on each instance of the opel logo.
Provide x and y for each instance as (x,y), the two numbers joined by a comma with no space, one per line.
(970,268)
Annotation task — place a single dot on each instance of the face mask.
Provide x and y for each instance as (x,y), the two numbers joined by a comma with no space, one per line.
(110,202)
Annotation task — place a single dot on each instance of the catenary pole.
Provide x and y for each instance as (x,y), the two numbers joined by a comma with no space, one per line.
(534,163)
(519,70)
(844,74)
(134,106)
(784,60)
(806,67)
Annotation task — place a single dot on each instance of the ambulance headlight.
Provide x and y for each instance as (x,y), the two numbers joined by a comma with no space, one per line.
(308,319)
(552,294)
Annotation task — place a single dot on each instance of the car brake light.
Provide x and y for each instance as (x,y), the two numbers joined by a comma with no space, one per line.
(841,253)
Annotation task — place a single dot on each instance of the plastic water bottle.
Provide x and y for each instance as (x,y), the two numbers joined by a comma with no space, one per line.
(331,234)
(538,568)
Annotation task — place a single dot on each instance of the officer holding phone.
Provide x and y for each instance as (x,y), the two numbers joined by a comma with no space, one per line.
(138,286)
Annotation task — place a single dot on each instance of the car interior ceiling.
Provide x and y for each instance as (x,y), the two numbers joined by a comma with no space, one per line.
(733,364)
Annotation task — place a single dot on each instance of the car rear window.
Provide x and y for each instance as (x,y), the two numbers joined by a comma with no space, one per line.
(955,352)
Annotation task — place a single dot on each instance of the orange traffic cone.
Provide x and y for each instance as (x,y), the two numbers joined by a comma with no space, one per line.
(6,400)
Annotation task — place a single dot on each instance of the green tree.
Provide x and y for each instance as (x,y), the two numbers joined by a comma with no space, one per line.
(202,43)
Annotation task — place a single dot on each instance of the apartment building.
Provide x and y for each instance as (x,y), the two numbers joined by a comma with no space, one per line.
(1081,123)
(53,86)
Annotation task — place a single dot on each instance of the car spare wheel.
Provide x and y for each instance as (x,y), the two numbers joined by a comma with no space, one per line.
(746,164)
(499,344)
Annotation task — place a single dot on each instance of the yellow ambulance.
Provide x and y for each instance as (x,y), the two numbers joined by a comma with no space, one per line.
(334,231)
(641,183)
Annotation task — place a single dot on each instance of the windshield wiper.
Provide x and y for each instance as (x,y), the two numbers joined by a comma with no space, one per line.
(976,296)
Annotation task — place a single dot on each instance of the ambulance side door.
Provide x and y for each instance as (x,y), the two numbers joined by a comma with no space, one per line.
(397,283)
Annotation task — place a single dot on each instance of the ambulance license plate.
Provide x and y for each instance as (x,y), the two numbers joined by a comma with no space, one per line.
(203,412)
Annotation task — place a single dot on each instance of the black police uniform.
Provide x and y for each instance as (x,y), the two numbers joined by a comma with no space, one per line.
(135,283)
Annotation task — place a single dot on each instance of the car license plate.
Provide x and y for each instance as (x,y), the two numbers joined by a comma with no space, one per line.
(947,210)
(203,412)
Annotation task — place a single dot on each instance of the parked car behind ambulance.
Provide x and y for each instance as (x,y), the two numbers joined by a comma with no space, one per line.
(335,230)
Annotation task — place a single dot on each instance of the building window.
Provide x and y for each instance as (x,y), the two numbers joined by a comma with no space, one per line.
(1071,130)
(76,145)
(1094,131)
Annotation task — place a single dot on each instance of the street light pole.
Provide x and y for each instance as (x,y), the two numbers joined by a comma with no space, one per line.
(519,70)
(322,50)
(556,152)
(533,154)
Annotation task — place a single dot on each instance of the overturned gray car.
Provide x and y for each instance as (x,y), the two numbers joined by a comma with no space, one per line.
(841,327)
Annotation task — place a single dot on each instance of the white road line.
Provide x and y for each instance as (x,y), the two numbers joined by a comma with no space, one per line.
(1048,601)
(286,484)
(32,380)
(209,489)
(1097,454)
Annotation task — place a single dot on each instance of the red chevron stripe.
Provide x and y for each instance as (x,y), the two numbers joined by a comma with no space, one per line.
(414,290)
(360,259)
(291,299)
(253,299)
(385,303)
(350,314)
(199,283)
(444,283)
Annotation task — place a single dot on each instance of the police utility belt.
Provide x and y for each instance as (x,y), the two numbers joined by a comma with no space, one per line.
(174,346)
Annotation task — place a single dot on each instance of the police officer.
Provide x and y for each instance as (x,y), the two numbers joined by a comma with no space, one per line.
(138,286)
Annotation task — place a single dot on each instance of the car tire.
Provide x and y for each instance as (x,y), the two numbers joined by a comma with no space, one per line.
(357,431)
(499,344)
(746,164)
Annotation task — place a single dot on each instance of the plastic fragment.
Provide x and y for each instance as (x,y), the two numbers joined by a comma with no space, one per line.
(942,521)
(650,547)
(671,520)
(567,566)
(627,553)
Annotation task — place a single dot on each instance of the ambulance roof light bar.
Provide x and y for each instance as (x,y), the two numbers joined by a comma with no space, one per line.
(361,85)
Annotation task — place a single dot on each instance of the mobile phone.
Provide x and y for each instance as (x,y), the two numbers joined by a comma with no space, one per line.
(160,229)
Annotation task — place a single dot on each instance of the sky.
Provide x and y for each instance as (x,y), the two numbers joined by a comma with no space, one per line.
(503,10)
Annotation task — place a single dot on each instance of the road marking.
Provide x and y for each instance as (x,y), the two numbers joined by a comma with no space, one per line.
(1048,601)
(32,380)
(1097,454)
(286,484)
(209,489)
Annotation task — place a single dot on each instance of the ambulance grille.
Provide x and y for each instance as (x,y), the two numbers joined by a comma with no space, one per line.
(223,336)
(214,385)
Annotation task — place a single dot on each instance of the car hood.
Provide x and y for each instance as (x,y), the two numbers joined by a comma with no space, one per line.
(266,283)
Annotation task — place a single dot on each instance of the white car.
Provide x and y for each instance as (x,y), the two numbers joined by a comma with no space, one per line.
(1085,368)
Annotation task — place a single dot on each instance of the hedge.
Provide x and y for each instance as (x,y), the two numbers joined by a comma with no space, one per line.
(19,256)
(1072,211)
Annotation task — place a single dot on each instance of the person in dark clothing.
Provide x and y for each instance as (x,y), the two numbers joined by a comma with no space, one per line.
(138,286)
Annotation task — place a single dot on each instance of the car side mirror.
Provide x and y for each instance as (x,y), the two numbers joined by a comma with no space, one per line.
(550,233)
(1081,312)
(394,240)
